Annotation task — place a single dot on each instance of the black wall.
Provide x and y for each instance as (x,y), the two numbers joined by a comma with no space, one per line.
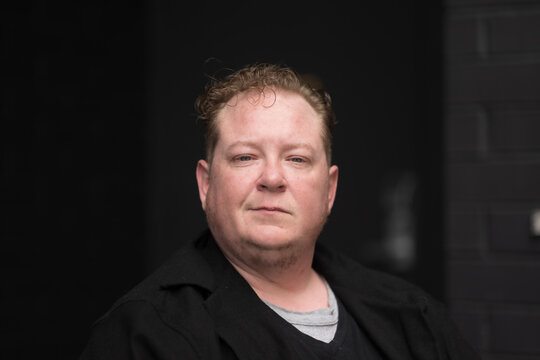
(73,170)
(100,142)
(492,166)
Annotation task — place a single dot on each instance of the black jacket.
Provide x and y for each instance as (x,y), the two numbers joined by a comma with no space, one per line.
(197,306)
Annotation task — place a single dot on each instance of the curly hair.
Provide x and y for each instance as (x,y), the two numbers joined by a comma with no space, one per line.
(258,77)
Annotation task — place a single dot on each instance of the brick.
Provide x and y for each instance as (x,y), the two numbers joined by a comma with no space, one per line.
(463,131)
(516,332)
(510,231)
(516,129)
(493,282)
(483,182)
(518,32)
(476,82)
(461,36)
(463,226)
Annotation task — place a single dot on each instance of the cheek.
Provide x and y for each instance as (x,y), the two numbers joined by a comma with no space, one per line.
(312,195)
(231,187)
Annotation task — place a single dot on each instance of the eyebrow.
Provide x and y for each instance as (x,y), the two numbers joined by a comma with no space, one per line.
(242,143)
(301,145)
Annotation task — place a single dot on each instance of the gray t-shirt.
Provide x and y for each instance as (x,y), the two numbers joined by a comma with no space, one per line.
(320,324)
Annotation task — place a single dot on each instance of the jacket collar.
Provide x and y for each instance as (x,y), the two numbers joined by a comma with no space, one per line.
(194,264)
(387,313)
(389,309)
(204,255)
(238,315)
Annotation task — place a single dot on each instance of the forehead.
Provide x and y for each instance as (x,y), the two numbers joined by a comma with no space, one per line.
(271,112)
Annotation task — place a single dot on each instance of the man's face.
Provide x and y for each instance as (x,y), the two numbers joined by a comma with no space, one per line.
(269,188)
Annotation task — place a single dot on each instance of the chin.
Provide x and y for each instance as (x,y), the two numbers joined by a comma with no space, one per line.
(271,238)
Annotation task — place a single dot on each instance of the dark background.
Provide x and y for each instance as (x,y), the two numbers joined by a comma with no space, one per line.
(100,142)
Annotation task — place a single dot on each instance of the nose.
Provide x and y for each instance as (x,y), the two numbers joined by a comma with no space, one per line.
(272,177)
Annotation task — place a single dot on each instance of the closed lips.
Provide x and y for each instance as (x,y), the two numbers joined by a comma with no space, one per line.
(268,208)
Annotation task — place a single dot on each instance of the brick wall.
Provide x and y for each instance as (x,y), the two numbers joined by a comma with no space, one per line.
(492,152)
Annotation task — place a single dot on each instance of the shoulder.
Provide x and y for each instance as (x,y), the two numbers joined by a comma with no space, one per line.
(185,271)
(390,296)
(163,311)
(135,329)
(175,289)
(343,271)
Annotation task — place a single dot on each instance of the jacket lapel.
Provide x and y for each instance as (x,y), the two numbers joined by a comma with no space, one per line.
(394,322)
(245,322)
(400,332)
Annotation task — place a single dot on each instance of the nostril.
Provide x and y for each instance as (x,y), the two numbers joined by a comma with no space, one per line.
(272,184)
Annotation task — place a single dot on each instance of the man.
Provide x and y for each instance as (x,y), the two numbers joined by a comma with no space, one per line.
(257,285)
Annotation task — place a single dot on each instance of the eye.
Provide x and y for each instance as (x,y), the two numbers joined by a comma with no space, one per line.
(244,158)
(297,160)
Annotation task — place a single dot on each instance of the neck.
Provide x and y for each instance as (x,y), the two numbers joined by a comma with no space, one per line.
(292,285)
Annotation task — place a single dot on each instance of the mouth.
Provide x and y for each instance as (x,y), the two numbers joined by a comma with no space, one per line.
(270,209)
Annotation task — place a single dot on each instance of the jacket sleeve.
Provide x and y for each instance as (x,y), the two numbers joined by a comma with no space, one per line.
(135,331)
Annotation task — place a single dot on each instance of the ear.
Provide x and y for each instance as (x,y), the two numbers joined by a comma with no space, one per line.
(203,180)
(332,186)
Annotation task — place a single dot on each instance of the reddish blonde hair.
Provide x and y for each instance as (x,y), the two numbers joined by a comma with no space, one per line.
(258,77)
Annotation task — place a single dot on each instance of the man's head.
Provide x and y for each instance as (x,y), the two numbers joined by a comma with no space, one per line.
(257,78)
(269,186)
